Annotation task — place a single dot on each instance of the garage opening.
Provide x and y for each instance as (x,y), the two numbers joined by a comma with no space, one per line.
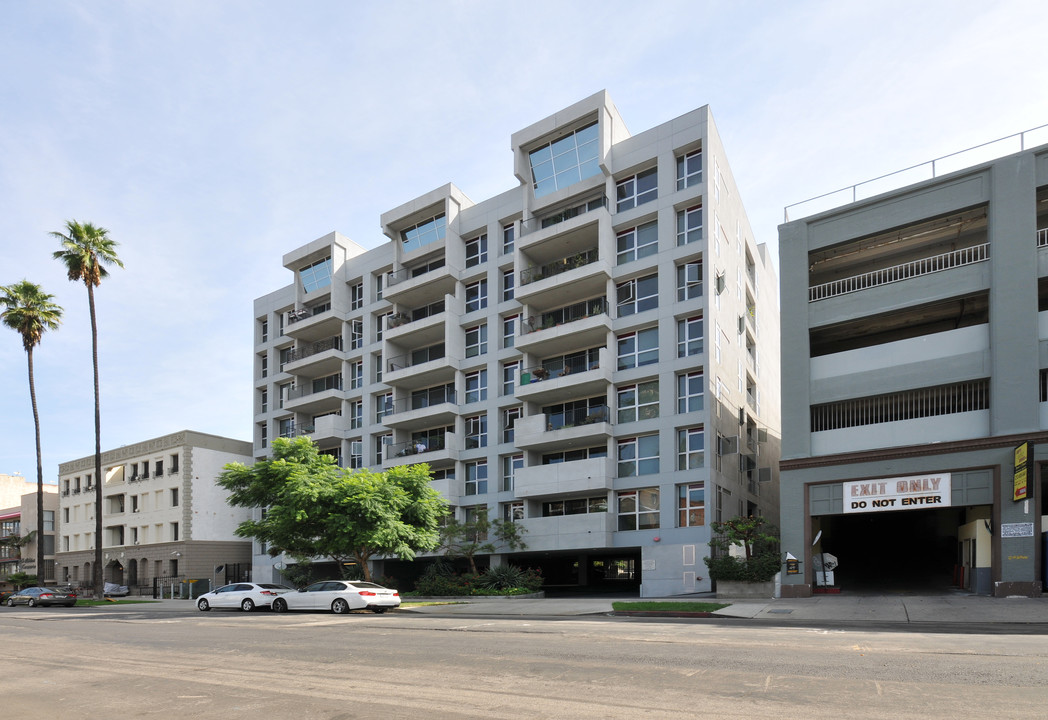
(909,551)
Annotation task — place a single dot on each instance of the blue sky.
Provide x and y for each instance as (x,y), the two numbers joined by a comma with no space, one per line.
(211,138)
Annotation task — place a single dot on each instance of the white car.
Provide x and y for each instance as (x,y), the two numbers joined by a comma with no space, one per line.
(339,596)
(246,596)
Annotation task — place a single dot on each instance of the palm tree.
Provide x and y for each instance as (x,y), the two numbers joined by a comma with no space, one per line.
(28,310)
(86,250)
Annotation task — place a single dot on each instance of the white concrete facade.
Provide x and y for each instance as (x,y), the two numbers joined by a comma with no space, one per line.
(592,353)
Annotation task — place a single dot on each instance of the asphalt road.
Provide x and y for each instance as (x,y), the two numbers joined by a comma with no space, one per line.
(127,662)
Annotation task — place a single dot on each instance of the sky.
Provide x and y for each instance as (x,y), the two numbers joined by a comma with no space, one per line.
(210,138)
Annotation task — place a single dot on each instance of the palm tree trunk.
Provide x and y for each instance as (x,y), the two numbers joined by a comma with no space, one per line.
(98,581)
(40,579)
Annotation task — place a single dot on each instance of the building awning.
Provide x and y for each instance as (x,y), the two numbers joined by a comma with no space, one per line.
(11,515)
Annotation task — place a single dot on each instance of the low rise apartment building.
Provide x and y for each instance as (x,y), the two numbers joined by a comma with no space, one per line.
(18,519)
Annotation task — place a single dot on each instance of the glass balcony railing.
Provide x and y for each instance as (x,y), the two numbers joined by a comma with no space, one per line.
(300,353)
(427,399)
(577,417)
(571,262)
(562,214)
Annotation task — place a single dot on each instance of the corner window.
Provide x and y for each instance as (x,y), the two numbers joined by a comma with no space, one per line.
(689,169)
(638,242)
(565,161)
(315,276)
(639,509)
(423,233)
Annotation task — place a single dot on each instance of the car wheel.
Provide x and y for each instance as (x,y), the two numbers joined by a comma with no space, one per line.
(10,602)
(248,605)
(340,606)
(32,602)
(379,610)
(280,605)
(203,605)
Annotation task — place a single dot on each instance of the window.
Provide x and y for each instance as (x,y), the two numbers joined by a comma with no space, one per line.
(418,357)
(477,251)
(476,431)
(507,284)
(477,295)
(380,281)
(691,505)
(328,382)
(689,336)
(638,456)
(689,281)
(316,276)
(690,444)
(263,329)
(356,296)
(637,190)
(158,469)
(356,334)
(356,415)
(600,451)
(509,330)
(383,406)
(174,464)
(49,523)
(476,340)
(565,161)
(508,236)
(381,321)
(509,419)
(689,169)
(263,401)
(510,465)
(476,386)
(476,478)
(265,366)
(378,367)
(638,242)
(575,506)
(690,392)
(356,454)
(639,509)
(174,497)
(513,511)
(432,396)
(285,358)
(263,435)
(638,348)
(639,402)
(689,225)
(356,375)
(509,377)
(424,233)
(638,295)
(381,441)
(174,531)
(65,511)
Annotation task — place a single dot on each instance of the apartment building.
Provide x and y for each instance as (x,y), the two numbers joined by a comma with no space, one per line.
(915,385)
(17,520)
(164,517)
(592,354)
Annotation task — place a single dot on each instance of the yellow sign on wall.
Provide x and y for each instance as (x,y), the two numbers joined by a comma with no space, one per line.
(1019,478)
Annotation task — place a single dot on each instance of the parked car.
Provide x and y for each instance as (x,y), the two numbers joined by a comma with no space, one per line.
(41,596)
(246,596)
(4,594)
(339,596)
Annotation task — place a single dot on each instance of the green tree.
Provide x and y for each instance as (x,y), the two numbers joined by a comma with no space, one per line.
(313,508)
(759,544)
(480,535)
(30,312)
(21,579)
(86,251)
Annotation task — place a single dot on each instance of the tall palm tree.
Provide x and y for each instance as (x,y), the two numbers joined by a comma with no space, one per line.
(28,310)
(86,251)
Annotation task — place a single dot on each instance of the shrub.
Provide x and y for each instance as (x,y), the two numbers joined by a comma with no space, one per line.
(502,577)
(759,543)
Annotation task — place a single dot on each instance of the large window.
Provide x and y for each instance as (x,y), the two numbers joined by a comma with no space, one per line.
(638,348)
(356,414)
(598,451)
(637,190)
(476,386)
(509,377)
(476,340)
(510,465)
(507,284)
(356,296)
(690,392)
(356,375)
(689,169)
(508,235)
(575,506)
(565,161)
(476,431)
(689,336)
(689,281)
(689,225)
(639,509)
(509,330)
(690,447)
(638,295)
(691,505)
(316,276)
(638,242)
(477,295)
(638,402)
(476,478)
(638,456)
(509,420)
(424,233)
(476,251)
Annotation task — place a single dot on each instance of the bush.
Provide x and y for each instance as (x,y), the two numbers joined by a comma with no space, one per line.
(759,542)
(759,568)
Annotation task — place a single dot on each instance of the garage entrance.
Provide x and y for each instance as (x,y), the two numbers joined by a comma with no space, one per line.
(907,551)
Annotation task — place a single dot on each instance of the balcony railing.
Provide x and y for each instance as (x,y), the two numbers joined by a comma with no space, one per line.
(534,274)
(538,223)
(301,391)
(898,273)
(332,343)
(401,362)
(430,399)
(569,313)
(294,316)
(578,416)
(559,367)
(417,447)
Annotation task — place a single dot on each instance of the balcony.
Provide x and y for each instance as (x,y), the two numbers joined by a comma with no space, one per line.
(440,452)
(417,286)
(323,357)
(566,377)
(324,430)
(584,324)
(311,399)
(570,532)
(309,326)
(563,431)
(579,275)
(414,373)
(578,477)
(563,220)
(425,325)
(423,412)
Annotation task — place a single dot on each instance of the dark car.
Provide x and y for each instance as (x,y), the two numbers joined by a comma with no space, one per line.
(41,596)
(4,594)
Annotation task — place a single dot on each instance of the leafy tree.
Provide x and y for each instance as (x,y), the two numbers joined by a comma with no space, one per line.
(314,508)
(480,535)
(86,251)
(759,544)
(21,579)
(30,312)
